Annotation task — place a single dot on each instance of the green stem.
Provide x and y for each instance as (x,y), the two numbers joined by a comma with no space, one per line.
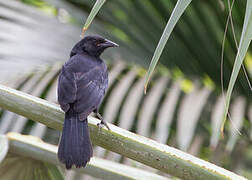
(35,148)
(139,148)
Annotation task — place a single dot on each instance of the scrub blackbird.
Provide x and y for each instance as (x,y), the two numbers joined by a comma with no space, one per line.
(82,83)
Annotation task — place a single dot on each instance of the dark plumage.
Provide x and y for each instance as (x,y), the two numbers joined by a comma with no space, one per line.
(82,83)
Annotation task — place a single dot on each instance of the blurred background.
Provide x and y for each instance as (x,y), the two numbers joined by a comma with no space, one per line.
(184,104)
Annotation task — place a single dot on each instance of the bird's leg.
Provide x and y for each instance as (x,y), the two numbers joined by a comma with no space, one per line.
(102,123)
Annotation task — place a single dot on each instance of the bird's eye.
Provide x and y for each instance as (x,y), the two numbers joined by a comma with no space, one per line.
(98,43)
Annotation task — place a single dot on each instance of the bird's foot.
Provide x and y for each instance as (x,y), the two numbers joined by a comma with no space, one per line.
(102,123)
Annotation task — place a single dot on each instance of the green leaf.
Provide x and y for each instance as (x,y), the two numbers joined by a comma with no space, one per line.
(94,11)
(245,40)
(4,146)
(177,12)
(20,167)
(53,171)
(24,167)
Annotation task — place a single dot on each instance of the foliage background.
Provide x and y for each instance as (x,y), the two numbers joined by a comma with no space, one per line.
(183,105)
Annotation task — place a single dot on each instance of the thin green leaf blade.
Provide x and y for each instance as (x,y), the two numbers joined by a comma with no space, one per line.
(97,6)
(176,14)
(243,47)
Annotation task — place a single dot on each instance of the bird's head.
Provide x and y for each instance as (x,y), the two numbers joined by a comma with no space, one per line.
(93,45)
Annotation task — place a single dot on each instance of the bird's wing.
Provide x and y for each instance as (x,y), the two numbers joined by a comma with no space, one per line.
(76,66)
(83,89)
(91,88)
(67,88)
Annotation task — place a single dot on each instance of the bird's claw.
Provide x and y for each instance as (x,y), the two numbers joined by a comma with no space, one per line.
(102,124)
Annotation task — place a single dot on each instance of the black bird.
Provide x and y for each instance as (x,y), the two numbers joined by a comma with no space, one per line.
(82,83)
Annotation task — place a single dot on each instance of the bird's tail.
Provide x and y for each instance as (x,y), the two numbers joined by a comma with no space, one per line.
(75,147)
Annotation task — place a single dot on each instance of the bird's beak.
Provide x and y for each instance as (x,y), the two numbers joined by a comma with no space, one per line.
(109,43)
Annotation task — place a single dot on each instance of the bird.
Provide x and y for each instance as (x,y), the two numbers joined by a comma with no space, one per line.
(82,84)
